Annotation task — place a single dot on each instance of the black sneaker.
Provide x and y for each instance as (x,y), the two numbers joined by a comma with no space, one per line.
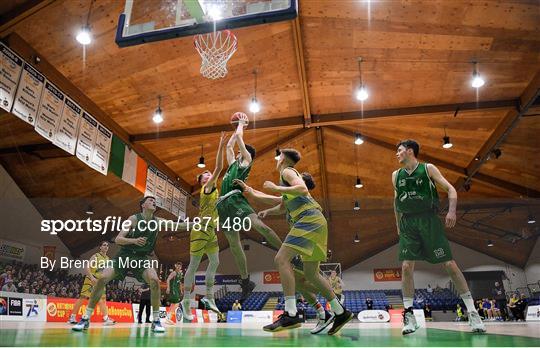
(247,288)
(284,322)
(340,321)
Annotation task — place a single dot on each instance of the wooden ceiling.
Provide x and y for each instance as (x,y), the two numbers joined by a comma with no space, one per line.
(417,67)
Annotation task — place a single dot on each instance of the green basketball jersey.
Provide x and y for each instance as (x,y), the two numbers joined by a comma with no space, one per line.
(295,205)
(235,171)
(174,284)
(142,229)
(416,192)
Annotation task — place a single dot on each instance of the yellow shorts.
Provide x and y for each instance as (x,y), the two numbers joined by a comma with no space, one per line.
(203,242)
(86,290)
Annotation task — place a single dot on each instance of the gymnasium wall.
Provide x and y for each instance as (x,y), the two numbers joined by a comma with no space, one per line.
(20,222)
(532,269)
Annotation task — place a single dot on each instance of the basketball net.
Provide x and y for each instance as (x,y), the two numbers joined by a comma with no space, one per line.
(215,49)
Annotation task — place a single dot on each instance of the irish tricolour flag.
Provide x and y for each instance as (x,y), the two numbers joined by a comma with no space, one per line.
(126,164)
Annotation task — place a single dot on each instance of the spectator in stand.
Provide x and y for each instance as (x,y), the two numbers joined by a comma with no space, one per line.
(429,289)
(369,303)
(459,313)
(9,286)
(512,306)
(144,303)
(500,296)
(438,289)
(427,311)
(5,276)
(486,304)
(495,310)
(480,309)
(521,306)
(236,306)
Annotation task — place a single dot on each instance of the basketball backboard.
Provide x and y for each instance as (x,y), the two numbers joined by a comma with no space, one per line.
(154,20)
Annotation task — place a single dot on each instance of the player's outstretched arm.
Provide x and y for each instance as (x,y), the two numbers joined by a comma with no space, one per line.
(298,186)
(398,215)
(259,196)
(230,149)
(121,238)
(219,165)
(239,134)
(441,181)
(277,210)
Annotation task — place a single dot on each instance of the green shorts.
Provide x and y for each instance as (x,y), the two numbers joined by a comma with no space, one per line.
(232,207)
(123,269)
(173,297)
(422,237)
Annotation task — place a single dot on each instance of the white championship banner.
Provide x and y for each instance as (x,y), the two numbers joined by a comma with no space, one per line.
(169,195)
(102,150)
(86,138)
(161,188)
(374,316)
(533,313)
(258,317)
(11,66)
(12,250)
(182,211)
(150,182)
(49,111)
(28,94)
(66,135)
(22,307)
(176,201)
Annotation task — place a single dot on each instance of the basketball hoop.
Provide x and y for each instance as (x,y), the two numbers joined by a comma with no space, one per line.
(215,49)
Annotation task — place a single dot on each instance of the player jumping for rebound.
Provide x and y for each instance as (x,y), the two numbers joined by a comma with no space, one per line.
(91,277)
(308,238)
(421,232)
(233,207)
(204,240)
(136,245)
(174,284)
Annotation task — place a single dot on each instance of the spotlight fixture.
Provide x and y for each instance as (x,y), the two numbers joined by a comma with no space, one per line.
(89,210)
(361,92)
(264,242)
(356,205)
(446,141)
(201,159)
(497,153)
(490,243)
(358,139)
(84,36)
(356,239)
(278,154)
(358,183)
(254,106)
(531,220)
(158,114)
(477,80)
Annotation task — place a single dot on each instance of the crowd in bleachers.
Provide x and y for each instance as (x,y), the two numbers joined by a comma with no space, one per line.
(31,279)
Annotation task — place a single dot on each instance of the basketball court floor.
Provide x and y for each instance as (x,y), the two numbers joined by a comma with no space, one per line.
(202,335)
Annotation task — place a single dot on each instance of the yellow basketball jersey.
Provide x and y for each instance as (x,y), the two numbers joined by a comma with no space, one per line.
(207,204)
(100,262)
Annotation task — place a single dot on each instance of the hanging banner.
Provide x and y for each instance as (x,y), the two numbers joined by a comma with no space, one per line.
(102,150)
(11,66)
(86,138)
(12,250)
(183,204)
(161,188)
(28,94)
(66,135)
(176,201)
(50,111)
(150,182)
(169,195)
(49,252)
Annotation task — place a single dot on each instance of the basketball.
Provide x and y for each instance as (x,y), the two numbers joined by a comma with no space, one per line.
(237,116)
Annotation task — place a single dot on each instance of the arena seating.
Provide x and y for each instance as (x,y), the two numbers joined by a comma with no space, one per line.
(439,300)
(254,302)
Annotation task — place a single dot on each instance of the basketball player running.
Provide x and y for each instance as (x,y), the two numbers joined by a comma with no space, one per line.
(136,245)
(91,277)
(232,205)
(308,290)
(307,238)
(421,232)
(204,240)
(174,283)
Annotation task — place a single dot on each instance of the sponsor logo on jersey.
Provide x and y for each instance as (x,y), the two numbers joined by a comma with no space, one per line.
(439,253)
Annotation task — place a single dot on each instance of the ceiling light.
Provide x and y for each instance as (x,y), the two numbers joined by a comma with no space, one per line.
(531,219)
(477,80)
(362,93)
(278,154)
(254,106)
(264,242)
(356,205)
(215,12)
(158,114)
(89,210)
(490,243)
(358,183)
(356,239)
(84,36)
(358,139)
(201,159)
(446,142)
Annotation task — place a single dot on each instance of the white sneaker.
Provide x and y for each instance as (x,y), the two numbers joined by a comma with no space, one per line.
(156,327)
(81,325)
(475,322)
(211,305)
(323,323)
(409,322)
(72,319)
(186,311)
(108,322)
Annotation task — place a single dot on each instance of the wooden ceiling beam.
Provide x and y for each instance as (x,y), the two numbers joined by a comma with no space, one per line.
(324,178)
(23,49)
(529,96)
(21,12)
(355,116)
(484,178)
(301,66)
(326,119)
